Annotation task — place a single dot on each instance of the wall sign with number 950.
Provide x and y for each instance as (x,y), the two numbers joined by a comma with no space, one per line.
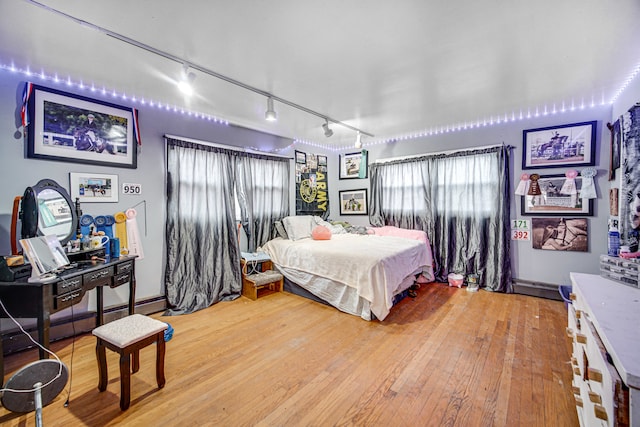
(133,189)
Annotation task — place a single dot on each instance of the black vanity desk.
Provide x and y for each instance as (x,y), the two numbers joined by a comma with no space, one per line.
(40,300)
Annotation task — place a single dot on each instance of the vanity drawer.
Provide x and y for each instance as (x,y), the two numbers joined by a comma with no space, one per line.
(125,267)
(120,279)
(67,300)
(67,285)
(100,277)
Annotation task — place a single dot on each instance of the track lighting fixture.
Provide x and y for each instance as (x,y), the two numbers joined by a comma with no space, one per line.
(327,130)
(270,115)
(186,81)
(358,140)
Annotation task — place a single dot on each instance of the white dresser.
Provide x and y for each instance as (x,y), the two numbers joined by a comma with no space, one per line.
(604,325)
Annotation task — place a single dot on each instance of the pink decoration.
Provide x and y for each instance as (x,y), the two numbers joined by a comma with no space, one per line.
(321,232)
(523,185)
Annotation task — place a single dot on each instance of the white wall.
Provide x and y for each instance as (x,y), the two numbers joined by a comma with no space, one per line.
(18,172)
(527,263)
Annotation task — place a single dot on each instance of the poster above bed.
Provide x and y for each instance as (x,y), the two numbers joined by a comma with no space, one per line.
(311,185)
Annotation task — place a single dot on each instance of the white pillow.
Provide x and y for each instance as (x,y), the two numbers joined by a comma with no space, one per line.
(298,227)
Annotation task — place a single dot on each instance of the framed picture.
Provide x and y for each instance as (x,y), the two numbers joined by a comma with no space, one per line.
(614,148)
(322,160)
(72,128)
(353,202)
(560,234)
(350,165)
(93,187)
(559,146)
(301,157)
(553,201)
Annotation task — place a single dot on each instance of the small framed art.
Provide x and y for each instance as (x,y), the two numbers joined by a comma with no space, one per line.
(354,202)
(553,202)
(561,234)
(301,158)
(559,146)
(93,187)
(350,165)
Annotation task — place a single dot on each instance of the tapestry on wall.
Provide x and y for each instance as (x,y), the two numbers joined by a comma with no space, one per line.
(311,185)
(630,185)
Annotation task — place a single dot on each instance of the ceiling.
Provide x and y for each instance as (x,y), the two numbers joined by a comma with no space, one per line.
(390,69)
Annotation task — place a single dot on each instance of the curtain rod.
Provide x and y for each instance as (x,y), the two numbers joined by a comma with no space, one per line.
(225,146)
(414,156)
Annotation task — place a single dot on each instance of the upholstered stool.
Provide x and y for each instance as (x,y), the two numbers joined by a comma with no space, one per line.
(251,283)
(127,336)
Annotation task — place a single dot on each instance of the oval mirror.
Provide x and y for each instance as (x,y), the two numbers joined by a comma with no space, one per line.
(47,209)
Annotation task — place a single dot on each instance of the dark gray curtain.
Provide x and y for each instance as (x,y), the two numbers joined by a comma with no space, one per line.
(203,257)
(461,200)
(263,195)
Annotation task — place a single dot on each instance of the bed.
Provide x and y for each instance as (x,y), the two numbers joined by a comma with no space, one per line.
(361,274)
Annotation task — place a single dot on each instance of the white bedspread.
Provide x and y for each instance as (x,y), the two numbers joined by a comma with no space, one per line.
(374,265)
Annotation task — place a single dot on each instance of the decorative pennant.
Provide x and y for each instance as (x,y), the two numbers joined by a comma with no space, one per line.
(24,111)
(588,185)
(121,231)
(133,235)
(569,185)
(534,187)
(523,185)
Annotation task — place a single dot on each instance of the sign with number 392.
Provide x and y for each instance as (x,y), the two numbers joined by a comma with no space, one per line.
(520,229)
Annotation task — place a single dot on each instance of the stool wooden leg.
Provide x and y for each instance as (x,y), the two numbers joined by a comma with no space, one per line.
(160,346)
(125,380)
(135,361)
(102,365)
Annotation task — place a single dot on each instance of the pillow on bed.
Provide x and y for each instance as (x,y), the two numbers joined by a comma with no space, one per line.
(280,231)
(320,232)
(299,226)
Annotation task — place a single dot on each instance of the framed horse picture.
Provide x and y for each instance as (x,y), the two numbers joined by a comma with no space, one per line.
(72,128)
(559,146)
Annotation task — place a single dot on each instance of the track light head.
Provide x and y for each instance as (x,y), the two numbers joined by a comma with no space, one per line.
(270,115)
(186,81)
(358,143)
(327,130)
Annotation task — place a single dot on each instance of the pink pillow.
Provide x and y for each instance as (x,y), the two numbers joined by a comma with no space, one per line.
(320,232)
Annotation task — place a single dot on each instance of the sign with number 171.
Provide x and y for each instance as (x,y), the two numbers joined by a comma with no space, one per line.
(520,229)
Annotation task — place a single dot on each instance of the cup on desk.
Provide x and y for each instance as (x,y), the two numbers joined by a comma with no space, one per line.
(98,242)
(115,247)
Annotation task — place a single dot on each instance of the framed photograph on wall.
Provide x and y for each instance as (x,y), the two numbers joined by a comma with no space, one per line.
(559,146)
(301,158)
(73,128)
(552,202)
(93,187)
(354,202)
(614,148)
(350,165)
(560,234)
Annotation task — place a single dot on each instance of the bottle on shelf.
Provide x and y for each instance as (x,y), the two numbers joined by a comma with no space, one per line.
(613,248)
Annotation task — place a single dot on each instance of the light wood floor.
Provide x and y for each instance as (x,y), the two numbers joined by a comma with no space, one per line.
(446,358)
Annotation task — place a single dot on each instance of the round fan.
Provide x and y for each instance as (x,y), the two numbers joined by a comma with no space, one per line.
(35,386)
